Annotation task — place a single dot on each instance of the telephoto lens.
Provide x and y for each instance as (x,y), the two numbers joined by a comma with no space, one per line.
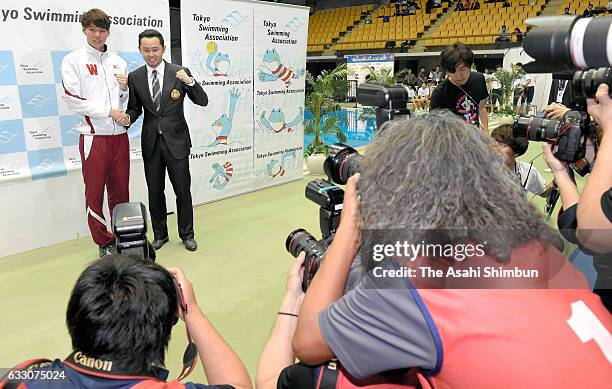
(586,82)
(568,43)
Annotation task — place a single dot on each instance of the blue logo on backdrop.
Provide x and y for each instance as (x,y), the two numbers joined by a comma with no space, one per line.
(134,60)
(70,134)
(294,24)
(12,139)
(7,69)
(234,19)
(47,163)
(38,100)
(57,57)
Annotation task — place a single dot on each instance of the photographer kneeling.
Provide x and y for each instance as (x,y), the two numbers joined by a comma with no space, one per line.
(120,318)
(429,173)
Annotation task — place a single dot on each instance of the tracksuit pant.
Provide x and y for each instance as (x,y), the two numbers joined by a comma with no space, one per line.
(105,164)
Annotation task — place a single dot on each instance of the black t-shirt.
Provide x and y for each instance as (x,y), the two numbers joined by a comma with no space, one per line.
(462,100)
(606,204)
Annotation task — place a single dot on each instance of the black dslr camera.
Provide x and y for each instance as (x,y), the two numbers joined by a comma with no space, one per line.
(130,229)
(342,163)
(568,134)
(566,44)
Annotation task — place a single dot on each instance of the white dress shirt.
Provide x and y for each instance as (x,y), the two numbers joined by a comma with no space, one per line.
(160,76)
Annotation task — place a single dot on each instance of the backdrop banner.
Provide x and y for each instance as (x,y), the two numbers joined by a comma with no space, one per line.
(37,130)
(250,58)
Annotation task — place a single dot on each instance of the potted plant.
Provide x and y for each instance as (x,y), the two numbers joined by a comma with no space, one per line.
(506,79)
(326,118)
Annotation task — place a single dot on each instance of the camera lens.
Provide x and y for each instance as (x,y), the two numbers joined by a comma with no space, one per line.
(564,43)
(535,128)
(586,82)
(343,164)
(299,240)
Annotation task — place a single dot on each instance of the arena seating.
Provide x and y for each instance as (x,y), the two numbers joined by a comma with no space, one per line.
(345,29)
(477,27)
(327,24)
(578,7)
(397,29)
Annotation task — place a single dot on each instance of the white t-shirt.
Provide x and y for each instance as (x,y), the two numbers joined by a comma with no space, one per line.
(423,92)
(531,179)
(522,80)
(495,84)
(411,92)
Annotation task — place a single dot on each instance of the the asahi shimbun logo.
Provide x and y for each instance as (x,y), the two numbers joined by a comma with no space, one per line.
(93,363)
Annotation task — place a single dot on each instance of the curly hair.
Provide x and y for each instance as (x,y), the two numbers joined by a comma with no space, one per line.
(435,172)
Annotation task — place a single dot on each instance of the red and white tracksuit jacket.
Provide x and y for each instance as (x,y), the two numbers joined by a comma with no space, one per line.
(91,91)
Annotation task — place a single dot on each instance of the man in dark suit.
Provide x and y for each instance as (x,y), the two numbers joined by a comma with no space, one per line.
(159,89)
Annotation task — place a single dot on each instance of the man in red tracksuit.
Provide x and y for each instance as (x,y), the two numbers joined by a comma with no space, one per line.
(95,88)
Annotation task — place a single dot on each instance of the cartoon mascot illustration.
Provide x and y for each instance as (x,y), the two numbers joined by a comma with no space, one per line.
(223,126)
(276,122)
(273,69)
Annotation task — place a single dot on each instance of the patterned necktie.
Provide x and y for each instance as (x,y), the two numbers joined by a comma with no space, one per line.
(155,91)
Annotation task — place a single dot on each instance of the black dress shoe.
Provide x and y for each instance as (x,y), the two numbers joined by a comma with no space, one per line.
(190,244)
(158,243)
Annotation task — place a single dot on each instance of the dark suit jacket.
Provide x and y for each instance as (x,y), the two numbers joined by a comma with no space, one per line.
(170,118)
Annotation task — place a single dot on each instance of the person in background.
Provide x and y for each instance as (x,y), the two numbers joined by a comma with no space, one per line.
(421,76)
(518,34)
(526,175)
(436,74)
(423,95)
(463,92)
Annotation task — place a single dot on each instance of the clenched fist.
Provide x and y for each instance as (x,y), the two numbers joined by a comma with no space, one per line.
(182,75)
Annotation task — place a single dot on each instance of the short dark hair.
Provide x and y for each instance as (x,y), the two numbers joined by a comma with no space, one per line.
(97,17)
(123,309)
(503,134)
(452,54)
(151,33)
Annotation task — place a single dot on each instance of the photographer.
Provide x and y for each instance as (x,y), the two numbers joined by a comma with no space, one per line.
(464,338)
(120,317)
(595,207)
(581,219)
(526,175)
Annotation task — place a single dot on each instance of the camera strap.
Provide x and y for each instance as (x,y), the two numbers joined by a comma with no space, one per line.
(190,357)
